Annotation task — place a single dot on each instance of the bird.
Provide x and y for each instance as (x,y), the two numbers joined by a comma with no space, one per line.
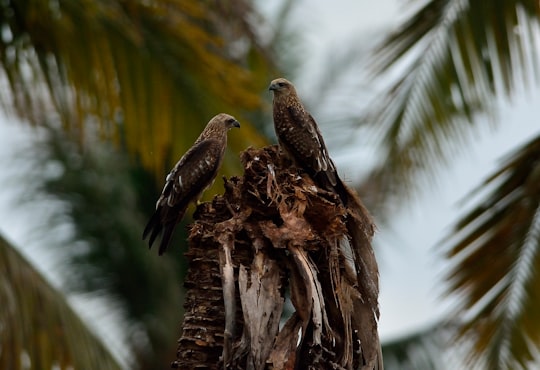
(192,174)
(300,138)
(301,141)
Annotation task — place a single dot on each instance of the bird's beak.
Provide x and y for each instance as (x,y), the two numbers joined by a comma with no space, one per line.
(236,124)
(273,87)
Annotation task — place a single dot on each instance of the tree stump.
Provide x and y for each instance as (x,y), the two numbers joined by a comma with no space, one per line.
(273,236)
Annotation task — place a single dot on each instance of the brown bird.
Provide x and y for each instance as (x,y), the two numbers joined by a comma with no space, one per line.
(299,137)
(193,174)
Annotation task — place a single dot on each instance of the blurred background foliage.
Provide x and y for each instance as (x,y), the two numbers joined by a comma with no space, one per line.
(147,74)
(120,89)
(453,63)
(39,329)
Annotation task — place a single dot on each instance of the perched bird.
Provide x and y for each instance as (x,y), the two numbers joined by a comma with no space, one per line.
(299,137)
(193,174)
(301,141)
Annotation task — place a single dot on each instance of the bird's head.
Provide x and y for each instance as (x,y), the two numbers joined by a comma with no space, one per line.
(281,87)
(219,125)
(225,120)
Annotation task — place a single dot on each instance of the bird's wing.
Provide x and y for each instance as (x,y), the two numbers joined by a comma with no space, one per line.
(192,174)
(195,171)
(304,139)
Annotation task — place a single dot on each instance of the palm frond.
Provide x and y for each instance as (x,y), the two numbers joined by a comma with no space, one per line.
(39,328)
(103,197)
(452,58)
(421,350)
(495,256)
(150,73)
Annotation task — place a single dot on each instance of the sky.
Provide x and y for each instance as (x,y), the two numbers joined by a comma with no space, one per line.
(411,269)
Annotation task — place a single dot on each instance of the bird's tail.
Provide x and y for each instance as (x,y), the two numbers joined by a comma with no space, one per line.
(162,222)
(346,194)
(153,227)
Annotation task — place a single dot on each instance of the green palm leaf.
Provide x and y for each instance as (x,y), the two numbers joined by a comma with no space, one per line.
(495,256)
(454,57)
(39,330)
(147,72)
(104,197)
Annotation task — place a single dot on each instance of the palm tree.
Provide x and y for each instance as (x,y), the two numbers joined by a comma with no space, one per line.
(456,58)
(145,75)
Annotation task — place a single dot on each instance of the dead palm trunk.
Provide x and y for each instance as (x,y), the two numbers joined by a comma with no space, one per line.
(272,235)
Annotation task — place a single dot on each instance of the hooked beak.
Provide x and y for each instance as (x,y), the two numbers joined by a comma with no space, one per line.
(273,87)
(236,124)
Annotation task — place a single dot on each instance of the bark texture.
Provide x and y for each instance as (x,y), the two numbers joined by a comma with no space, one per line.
(274,235)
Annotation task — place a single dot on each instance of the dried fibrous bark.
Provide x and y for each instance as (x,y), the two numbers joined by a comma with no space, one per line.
(275,235)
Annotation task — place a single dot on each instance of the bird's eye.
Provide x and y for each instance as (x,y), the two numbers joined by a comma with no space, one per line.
(230,120)
(281,84)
